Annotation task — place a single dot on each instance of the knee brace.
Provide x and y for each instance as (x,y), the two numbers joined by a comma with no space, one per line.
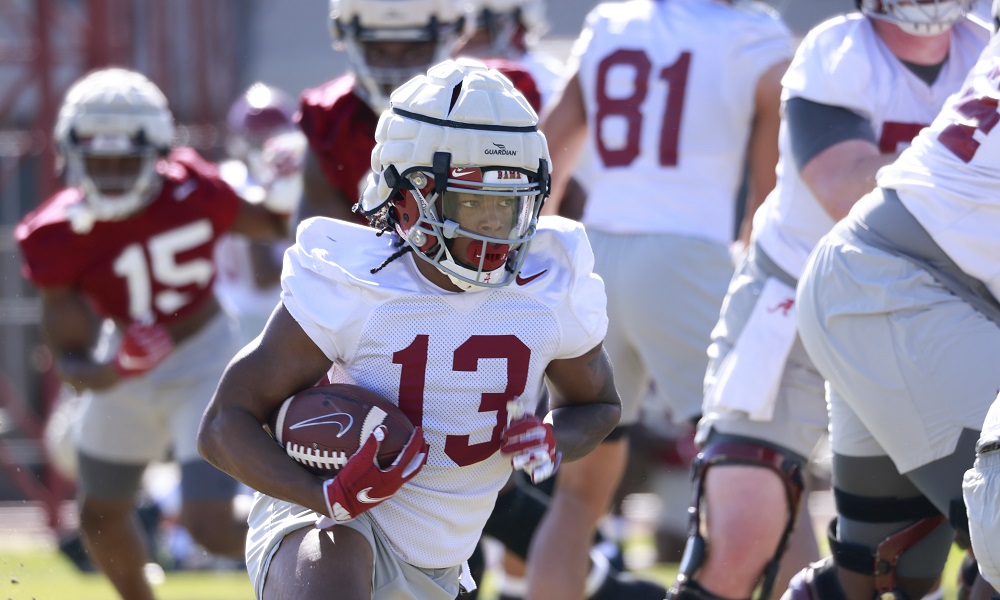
(881,561)
(786,465)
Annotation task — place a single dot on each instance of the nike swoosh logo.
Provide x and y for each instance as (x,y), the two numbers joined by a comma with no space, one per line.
(342,420)
(526,280)
(461,172)
(364,497)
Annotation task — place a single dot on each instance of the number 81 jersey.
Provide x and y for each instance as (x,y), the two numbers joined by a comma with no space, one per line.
(669,91)
(450,360)
(156,264)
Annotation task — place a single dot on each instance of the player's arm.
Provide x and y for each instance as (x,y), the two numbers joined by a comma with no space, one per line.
(281,362)
(319,197)
(71,328)
(259,222)
(762,150)
(266,265)
(584,403)
(836,152)
(564,123)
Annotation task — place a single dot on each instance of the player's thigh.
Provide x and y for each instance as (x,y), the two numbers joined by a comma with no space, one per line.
(673,306)
(589,484)
(189,379)
(123,424)
(914,363)
(309,564)
(800,418)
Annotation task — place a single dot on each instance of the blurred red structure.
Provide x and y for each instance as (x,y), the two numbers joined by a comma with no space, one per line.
(190,49)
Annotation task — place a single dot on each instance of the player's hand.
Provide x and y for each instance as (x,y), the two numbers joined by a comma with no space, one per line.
(361,483)
(531,445)
(143,347)
(283,155)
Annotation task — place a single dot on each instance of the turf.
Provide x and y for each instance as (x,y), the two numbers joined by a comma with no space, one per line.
(46,575)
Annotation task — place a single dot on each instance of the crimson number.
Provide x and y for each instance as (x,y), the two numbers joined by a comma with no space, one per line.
(894,133)
(413,374)
(628,107)
(979,113)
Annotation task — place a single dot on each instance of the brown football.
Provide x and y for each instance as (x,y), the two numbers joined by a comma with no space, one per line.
(323,426)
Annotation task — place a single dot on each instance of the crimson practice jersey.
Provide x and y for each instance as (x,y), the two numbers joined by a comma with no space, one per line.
(155,265)
(949,179)
(669,89)
(451,361)
(340,127)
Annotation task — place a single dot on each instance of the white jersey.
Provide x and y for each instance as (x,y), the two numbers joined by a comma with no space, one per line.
(454,358)
(669,91)
(546,71)
(235,286)
(949,179)
(844,63)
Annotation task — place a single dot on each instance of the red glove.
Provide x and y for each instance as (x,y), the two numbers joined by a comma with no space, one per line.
(361,483)
(532,447)
(142,348)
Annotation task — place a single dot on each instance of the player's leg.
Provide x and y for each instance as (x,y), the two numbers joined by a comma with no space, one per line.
(308,565)
(207,494)
(111,532)
(909,383)
(518,512)
(120,433)
(559,556)
(207,509)
(765,413)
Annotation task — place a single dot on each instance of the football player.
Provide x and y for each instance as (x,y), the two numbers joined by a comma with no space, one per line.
(265,150)
(765,410)
(460,314)
(898,308)
(674,97)
(131,240)
(510,29)
(387,42)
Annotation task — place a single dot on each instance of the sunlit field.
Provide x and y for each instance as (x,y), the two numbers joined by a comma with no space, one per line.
(42,574)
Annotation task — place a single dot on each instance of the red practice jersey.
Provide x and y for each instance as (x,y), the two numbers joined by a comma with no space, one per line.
(156,264)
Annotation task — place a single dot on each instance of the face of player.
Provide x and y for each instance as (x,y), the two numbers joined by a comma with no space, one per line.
(399,55)
(113,175)
(488,216)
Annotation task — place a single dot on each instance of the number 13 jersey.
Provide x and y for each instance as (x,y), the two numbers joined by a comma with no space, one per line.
(669,92)
(450,360)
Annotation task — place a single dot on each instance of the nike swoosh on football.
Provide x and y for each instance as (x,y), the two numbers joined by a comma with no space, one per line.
(460,172)
(364,497)
(525,280)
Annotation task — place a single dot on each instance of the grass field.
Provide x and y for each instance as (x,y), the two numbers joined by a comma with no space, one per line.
(41,574)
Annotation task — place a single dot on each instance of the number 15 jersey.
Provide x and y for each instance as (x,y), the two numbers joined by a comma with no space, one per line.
(450,360)
(669,92)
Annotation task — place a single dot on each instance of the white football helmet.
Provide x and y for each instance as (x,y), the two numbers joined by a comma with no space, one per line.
(114,113)
(511,26)
(461,171)
(356,25)
(918,17)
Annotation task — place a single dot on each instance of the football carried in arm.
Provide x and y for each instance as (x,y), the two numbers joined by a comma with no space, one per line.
(321,427)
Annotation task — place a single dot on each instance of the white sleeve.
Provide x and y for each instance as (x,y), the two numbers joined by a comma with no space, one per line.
(583,318)
(314,291)
(757,49)
(832,67)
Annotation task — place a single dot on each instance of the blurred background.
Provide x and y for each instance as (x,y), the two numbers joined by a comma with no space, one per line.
(202,53)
